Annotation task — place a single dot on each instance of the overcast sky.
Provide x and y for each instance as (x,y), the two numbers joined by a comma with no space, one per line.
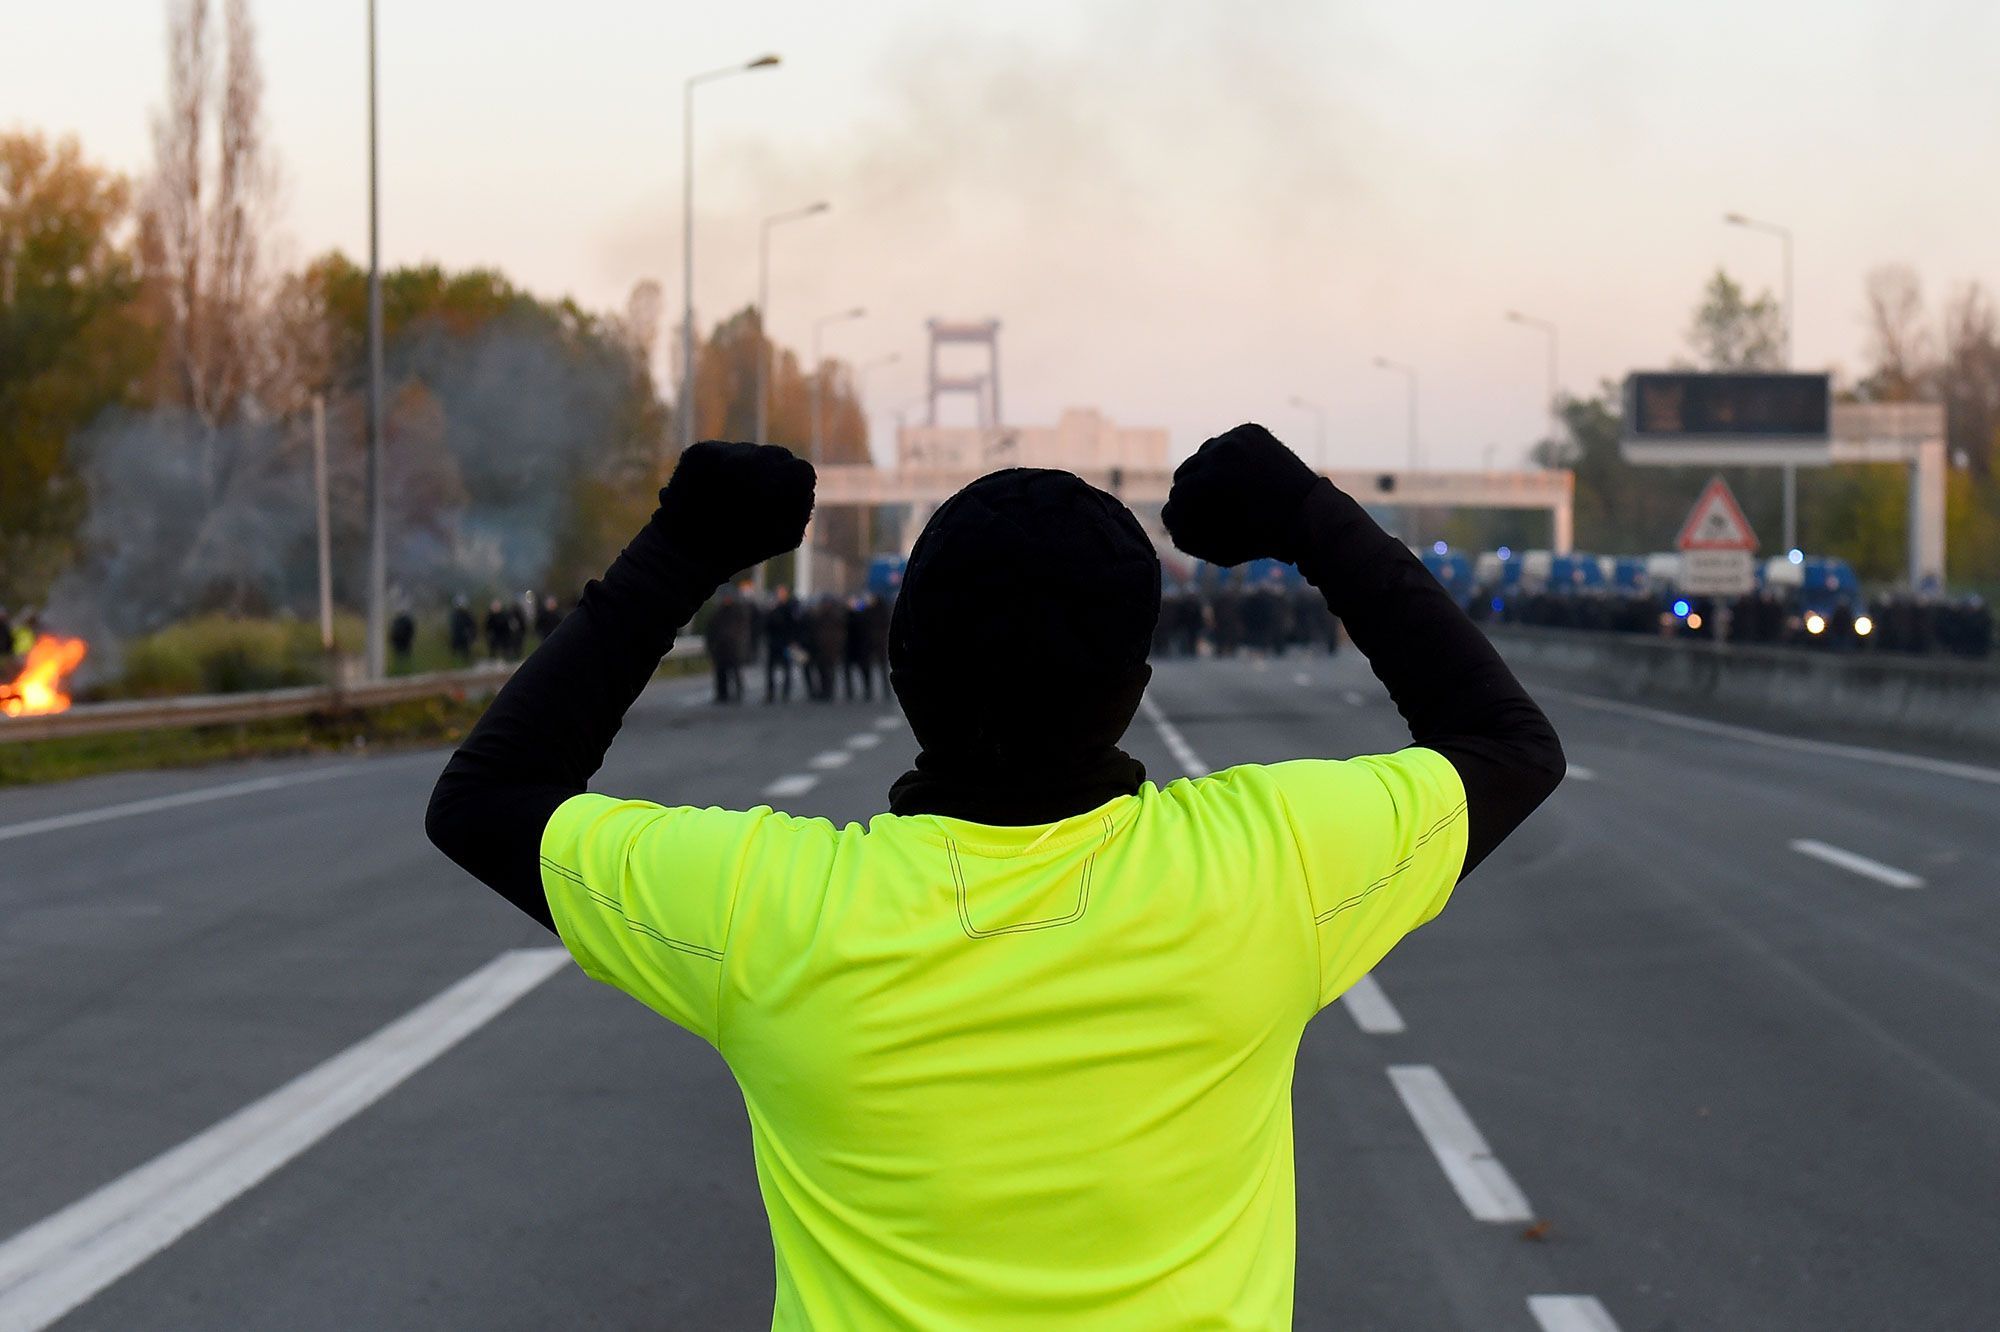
(1184,211)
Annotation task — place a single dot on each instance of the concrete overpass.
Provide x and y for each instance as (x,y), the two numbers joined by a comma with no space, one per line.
(1552,491)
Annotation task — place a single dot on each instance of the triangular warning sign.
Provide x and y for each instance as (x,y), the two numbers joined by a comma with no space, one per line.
(1716,523)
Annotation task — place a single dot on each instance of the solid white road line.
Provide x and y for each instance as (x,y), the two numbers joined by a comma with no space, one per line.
(1371,1009)
(829,758)
(866,740)
(797,783)
(1578,773)
(1570,1313)
(1171,736)
(199,796)
(1970,772)
(1859,864)
(1483,1184)
(58,1263)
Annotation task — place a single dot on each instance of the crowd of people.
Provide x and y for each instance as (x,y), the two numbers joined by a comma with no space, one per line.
(834,642)
(1228,616)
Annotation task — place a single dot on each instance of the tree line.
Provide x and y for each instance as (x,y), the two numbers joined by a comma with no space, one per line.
(159,375)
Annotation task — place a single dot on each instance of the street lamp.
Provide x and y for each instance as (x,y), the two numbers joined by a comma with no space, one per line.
(812,451)
(377,649)
(1410,372)
(770,348)
(1791,471)
(687,232)
(1555,415)
(1319,417)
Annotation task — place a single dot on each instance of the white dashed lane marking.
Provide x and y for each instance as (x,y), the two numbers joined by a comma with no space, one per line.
(1570,1313)
(1171,736)
(229,790)
(1352,698)
(1371,1009)
(866,740)
(887,723)
(1578,773)
(1856,863)
(1302,679)
(1483,1184)
(58,1263)
(829,758)
(797,783)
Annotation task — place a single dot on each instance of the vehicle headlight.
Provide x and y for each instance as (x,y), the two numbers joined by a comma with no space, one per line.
(1815,623)
(1863,625)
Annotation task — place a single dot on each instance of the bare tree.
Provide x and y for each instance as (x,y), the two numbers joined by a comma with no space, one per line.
(206,206)
(1969,377)
(1899,342)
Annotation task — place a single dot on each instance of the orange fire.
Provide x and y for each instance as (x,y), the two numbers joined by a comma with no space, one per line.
(38,688)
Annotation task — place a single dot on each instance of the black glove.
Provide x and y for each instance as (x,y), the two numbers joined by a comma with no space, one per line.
(729,506)
(1235,499)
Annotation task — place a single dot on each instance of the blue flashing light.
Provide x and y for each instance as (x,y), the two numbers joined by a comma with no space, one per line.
(1505,553)
(1795,555)
(1439,548)
(1498,605)
(1681,609)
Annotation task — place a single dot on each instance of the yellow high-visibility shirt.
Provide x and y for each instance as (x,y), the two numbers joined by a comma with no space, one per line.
(1019,1077)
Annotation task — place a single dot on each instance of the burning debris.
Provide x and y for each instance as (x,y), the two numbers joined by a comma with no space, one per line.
(39,687)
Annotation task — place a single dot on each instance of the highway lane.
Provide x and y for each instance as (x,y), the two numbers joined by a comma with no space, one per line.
(1741,1087)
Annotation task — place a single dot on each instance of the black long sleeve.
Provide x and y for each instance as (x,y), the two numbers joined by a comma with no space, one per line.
(546,733)
(1452,688)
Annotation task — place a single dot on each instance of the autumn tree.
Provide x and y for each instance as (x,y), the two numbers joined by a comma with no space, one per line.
(71,343)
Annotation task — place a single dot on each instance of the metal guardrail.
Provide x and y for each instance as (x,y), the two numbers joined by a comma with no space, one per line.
(150,714)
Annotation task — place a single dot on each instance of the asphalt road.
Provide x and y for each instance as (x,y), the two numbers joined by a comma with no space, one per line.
(1710,1079)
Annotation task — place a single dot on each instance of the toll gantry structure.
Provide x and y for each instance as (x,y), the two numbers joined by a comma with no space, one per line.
(985,388)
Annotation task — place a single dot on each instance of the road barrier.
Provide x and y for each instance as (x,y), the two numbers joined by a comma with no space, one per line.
(1950,702)
(150,714)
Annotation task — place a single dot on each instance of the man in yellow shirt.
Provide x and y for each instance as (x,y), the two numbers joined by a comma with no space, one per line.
(1019,1052)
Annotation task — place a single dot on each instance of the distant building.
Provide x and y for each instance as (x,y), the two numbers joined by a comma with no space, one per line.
(1083,439)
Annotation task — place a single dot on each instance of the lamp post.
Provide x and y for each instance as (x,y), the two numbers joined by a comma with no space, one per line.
(812,453)
(1410,373)
(1555,414)
(770,347)
(376,652)
(1319,429)
(1791,471)
(687,232)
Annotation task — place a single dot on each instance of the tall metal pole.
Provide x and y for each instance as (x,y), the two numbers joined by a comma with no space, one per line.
(686,404)
(325,535)
(769,351)
(685,408)
(1790,470)
(1548,328)
(378,540)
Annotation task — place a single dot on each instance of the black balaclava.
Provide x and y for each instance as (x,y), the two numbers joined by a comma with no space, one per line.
(1018,650)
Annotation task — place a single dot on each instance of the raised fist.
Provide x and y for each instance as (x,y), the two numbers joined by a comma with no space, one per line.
(1235,498)
(733,505)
